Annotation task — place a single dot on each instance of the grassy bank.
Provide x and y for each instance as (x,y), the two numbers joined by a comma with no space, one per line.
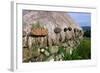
(83,51)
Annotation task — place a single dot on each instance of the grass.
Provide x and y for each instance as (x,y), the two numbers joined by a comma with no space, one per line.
(83,51)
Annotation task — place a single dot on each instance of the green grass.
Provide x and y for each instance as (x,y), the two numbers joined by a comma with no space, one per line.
(83,51)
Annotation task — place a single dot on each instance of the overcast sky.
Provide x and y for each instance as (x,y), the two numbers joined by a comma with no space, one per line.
(83,19)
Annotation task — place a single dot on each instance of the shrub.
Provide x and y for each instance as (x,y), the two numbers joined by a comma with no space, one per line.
(87,33)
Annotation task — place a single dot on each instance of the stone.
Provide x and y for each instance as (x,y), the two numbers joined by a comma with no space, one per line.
(68,50)
(50,58)
(46,48)
(46,53)
(35,52)
(25,41)
(65,45)
(30,42)
(65,29)
(24,33)
(69,28)
(26,54)
(33,41)
(42,50)
(45,41)
(61,60)
(57,39)
(57,58)
(68,35)
(62,37)
(42,57)
(49,41)
(53,49)
(57,30)
(71,43)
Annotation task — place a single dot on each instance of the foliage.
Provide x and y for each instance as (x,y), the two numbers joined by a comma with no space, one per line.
(87,33)
(84,49)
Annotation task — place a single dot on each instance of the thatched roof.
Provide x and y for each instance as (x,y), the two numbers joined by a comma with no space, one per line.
(47,18)
(50,20)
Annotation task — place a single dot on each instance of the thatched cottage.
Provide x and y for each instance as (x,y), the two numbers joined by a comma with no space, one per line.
(49,28)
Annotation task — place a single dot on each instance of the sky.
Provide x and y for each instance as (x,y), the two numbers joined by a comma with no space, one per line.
(83,19)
